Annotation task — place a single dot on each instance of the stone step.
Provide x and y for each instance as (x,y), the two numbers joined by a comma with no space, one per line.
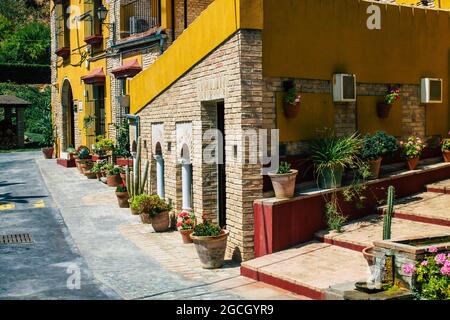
(360,234)
(440,187)
(427,207)
(309,269)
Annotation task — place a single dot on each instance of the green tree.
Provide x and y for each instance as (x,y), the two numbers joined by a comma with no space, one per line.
(29,44)
(6,28)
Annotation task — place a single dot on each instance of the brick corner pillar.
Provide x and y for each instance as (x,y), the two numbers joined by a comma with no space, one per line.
(20,113)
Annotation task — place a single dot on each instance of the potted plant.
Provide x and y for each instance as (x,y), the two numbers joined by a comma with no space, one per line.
(98,168)
(331,155)
(158,210)
(210,243)
(445,147)
(123,174)
(121,152)
(83,155)
(412,150)
(384,108)
(48,143)
(283,181)
(72,152)
(291,103)
(375,148)
(122,196)
(112,175)
(186,224)
(102,148)
(136,208)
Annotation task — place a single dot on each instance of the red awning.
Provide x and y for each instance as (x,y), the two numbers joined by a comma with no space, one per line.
(96,76)
(128,70)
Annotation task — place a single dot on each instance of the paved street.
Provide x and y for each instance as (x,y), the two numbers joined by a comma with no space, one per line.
(75,222)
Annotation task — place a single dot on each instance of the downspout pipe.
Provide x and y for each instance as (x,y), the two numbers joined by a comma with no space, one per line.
(137,120)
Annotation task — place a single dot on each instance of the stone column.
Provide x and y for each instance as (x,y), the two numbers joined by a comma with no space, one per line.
(160,176)
(20,114)
(186,177)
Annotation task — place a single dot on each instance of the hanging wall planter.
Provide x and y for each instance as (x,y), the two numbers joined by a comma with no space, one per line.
(383,110)
(291,101)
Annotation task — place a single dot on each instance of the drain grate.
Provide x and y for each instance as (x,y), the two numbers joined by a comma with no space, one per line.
(16,238)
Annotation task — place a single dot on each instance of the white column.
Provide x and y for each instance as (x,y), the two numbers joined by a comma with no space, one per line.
(160,176)
(186,174)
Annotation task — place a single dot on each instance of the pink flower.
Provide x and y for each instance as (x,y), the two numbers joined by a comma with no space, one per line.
(409,269)
(445,270)
(179,224)
(424,263)
(440,258)
(432,249)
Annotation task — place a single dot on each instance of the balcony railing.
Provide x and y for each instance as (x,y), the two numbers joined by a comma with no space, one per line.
(138,16)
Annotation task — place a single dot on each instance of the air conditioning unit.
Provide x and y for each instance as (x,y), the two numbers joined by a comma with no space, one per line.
(344,87)
(133,25)
(431,90)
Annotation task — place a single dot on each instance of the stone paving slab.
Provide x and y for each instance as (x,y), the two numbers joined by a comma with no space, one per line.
(362,233)
(427,205)
(169,251)
(315,265)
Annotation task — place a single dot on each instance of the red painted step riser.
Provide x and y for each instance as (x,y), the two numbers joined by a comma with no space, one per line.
(438,190)
(415,218)
(342,244)
(283,284)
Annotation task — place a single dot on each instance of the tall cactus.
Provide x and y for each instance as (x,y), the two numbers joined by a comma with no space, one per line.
(135,182)
(387,221)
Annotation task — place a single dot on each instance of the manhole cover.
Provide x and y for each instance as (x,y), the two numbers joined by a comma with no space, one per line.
(16,238)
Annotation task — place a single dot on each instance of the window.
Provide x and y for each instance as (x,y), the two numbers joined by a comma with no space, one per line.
(95,107)
(62,30)
(92,25)
(138,16)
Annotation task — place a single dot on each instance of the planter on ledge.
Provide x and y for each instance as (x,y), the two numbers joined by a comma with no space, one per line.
(446,155)
(375,167)
(284,184)
(331,178)
(383,110)
(413,163)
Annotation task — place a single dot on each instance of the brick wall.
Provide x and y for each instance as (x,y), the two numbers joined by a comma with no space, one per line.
(236,66)
(194,8)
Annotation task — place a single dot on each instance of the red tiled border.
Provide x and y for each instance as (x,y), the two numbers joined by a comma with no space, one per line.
(416,218)
(342,244)
(283,284)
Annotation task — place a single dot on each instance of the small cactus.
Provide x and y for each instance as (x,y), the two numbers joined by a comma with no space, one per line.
(387,221)
(136,182)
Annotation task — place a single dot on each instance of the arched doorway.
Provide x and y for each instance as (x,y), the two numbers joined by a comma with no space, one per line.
(68,125)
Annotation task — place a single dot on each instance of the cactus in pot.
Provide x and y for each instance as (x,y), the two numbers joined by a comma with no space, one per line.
(136,180)
(387,221)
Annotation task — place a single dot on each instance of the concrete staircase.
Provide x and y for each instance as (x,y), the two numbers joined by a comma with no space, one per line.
(335,260)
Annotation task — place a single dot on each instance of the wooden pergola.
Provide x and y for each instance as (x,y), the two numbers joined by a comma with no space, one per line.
(12,135)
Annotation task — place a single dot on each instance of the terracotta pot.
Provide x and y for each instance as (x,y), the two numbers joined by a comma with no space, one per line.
(186,236)
(375,167)
(124,162)
(123,176)
(122,198)
(86,166)
(145,218)
(369,256)
(78,164)
(113,181)
(412,163)
(211,250)
(96,157)
(291,111)
(48,152)
(99,175)
(161,222)
(284,184)
(446,155)
(383,110)
(90,175)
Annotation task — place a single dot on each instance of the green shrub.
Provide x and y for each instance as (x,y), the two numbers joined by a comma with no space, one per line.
(284,168)
(152,205)
(207,229)
(378,145)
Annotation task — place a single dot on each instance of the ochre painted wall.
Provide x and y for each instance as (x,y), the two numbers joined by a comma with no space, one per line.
(218,22)
(366,109)
(316,112)
(313,39)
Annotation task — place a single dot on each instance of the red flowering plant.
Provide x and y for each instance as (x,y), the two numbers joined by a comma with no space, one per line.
(393,95)
(186,220)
